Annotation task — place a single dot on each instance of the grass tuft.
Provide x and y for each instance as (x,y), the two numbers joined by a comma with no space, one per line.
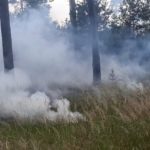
(116,119)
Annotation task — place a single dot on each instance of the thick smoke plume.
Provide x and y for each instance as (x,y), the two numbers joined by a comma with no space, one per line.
(47,58)
(46,53)
(18,103)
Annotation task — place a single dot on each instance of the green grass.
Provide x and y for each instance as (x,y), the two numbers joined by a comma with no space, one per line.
(116,120)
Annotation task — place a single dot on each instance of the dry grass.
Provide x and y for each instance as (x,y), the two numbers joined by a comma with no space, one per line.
(116,120)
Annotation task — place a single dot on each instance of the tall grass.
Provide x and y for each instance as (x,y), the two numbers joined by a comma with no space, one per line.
(116,119)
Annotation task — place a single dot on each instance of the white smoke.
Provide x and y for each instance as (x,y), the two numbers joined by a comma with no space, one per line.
(18,103)
(124,74)
(45,52)
(46,57)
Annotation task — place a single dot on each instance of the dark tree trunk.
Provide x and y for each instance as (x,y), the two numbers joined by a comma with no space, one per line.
(73,16)
(73,20)
(95,45)
(6,35)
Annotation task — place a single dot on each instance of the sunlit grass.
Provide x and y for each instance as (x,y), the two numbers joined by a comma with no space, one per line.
(116,118)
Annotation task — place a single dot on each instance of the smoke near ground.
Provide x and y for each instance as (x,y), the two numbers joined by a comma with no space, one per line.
(43,58)
(44,52)
(18,103)
(46,57)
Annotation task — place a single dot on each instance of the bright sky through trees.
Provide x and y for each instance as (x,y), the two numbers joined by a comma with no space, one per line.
(60,9)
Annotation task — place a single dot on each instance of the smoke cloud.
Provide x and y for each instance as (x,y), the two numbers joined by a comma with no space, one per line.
(45,53)
(17,102)
(45,57)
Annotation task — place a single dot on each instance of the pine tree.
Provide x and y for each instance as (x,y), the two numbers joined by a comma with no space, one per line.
(103,13)
(73,20)
(136,15)
(95,46)
(73,15)
(6,35)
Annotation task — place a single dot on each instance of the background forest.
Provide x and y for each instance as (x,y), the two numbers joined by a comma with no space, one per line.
(79,84)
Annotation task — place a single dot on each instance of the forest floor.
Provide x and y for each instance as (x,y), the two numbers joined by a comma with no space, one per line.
(116,119)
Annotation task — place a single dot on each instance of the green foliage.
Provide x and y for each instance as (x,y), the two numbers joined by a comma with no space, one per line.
(136,15)
(102,10)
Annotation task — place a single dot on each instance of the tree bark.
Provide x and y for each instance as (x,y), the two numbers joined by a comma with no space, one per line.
(73,16)
(6,35)
(95,45)
(73,20)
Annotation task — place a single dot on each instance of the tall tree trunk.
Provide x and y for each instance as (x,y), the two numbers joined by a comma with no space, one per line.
(6,35)
(73,16)
(73,20)
(95,45)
